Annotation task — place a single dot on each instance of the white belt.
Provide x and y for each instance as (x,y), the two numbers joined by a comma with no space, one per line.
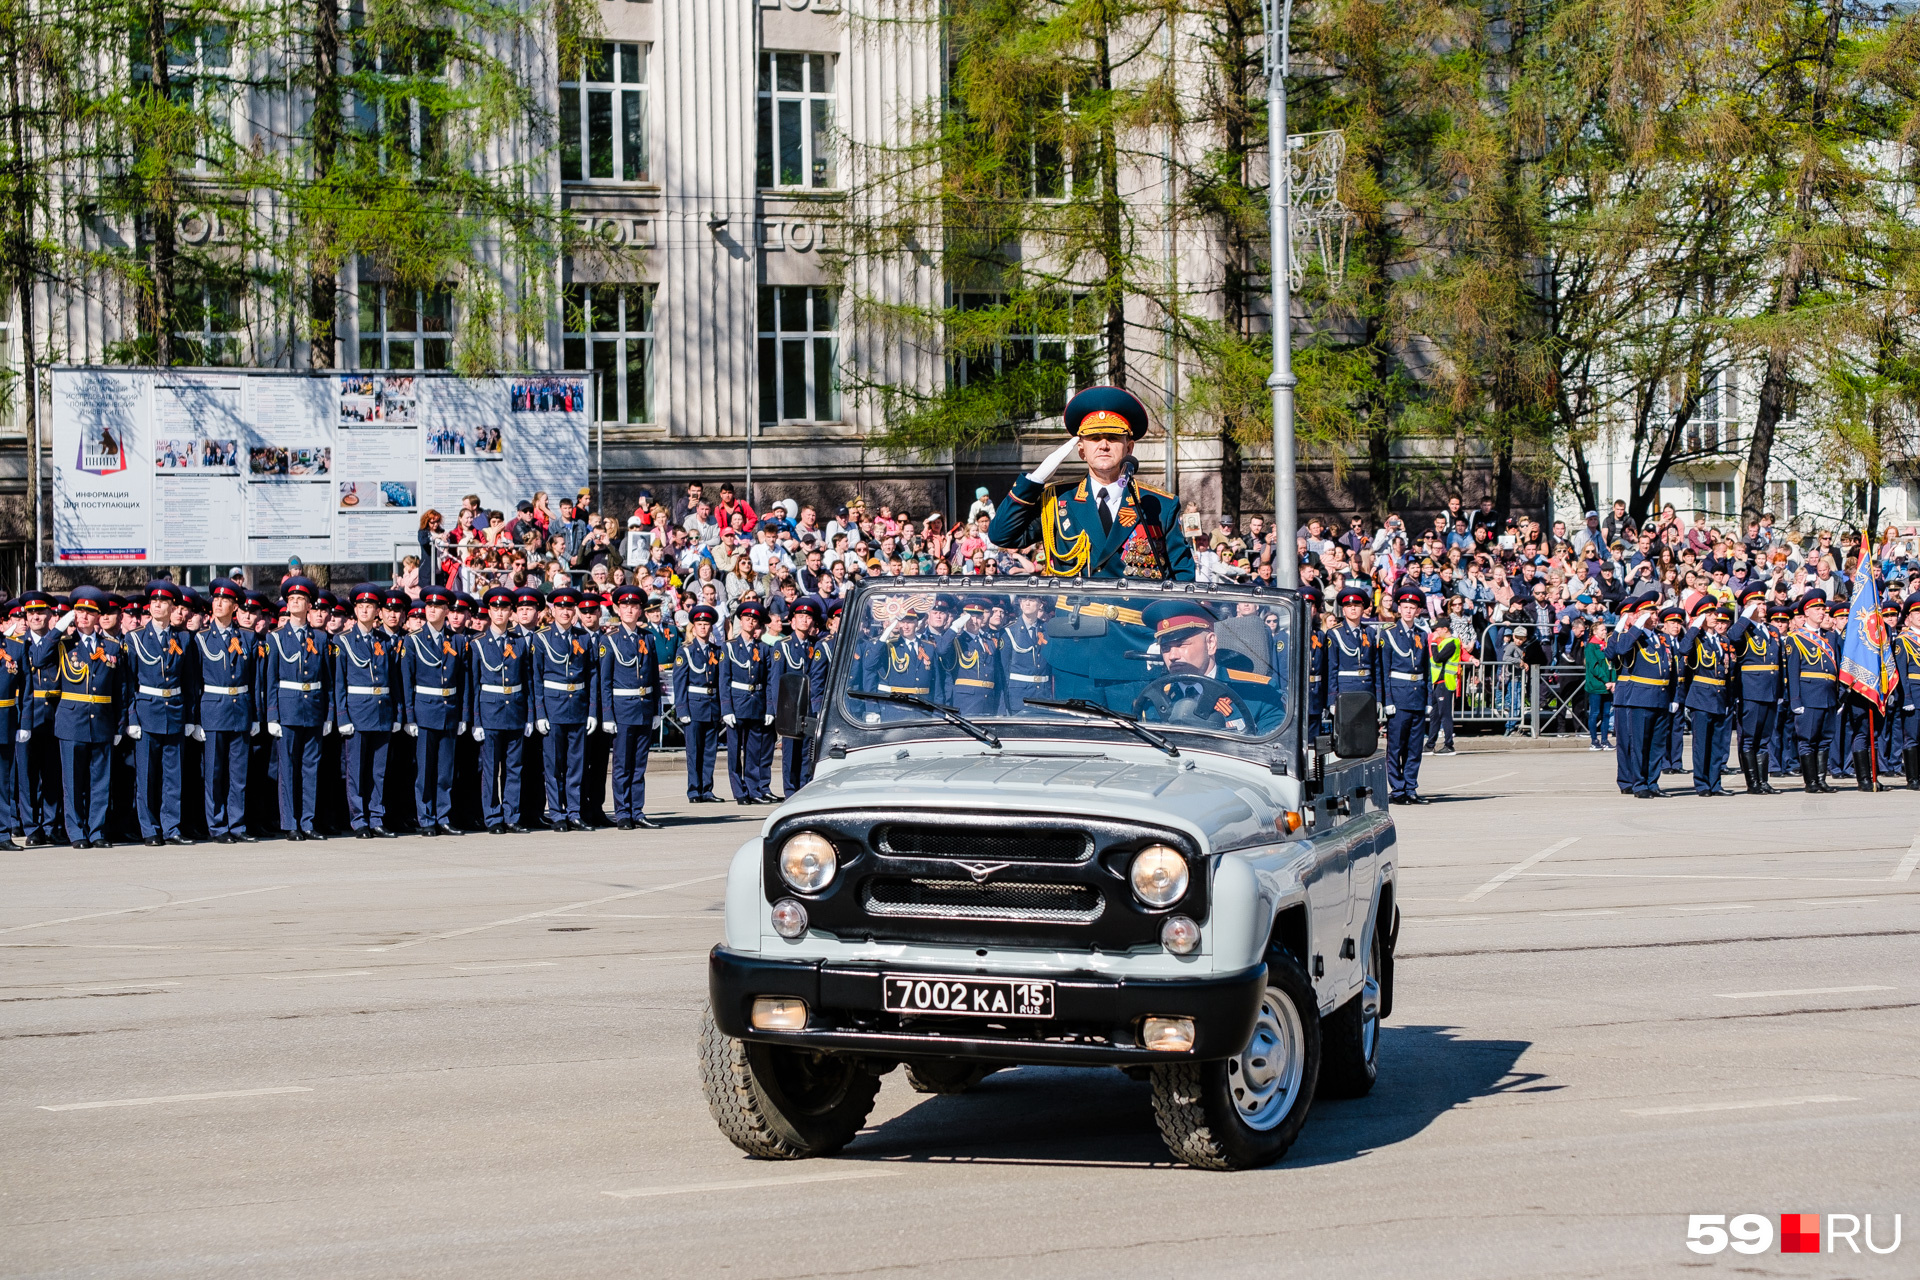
(748,687)
(297,687)
(1404,675)
(1027,679)
(504,689)
(229,690)
(434,693)
(1353,673)
(153,692)
(564,688)
(368,690)
(701,688)
(633,693)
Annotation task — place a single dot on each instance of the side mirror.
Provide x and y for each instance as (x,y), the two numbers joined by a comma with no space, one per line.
(1356,726)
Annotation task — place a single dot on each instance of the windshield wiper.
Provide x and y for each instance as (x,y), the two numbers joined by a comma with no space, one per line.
(1131,723)
(948,714)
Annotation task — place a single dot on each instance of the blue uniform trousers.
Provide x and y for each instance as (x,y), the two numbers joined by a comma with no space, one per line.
(500,755)
(157,779)
(1786,746)
(1664,751)
(1639,748)
(631,745)
(36,783)
(796,764)
(1756,727)
(703,748)
(1813,730)
(750,760)
(84,765)
(224,767)
(364,757)
(563,753)
(1712,732)
(593,776)
(9,808)
(1676,727)
(298,758)
(533,786)
(433,753)
(1406,739)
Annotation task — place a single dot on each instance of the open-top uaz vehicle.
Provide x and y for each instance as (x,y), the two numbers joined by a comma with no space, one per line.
(1106,835)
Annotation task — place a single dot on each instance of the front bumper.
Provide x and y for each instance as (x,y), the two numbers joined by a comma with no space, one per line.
(1095,1020)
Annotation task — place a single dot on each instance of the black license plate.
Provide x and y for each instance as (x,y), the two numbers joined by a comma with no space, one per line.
(968,997)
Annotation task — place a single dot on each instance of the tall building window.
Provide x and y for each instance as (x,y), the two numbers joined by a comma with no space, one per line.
(1057,362)
(1713,427)
(211,322)
(198,60)
(1783,498)
(1056,169)
(603,115)
(609,328)
(405,328)
(796,120)
(1713,497)
(407,129)
(799,355)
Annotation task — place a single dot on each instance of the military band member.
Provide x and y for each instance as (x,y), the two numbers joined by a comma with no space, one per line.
(1023,653)
(91,716)
(745,666)
(696,700)
(1402,688)
(800,662)
(433,688)
(629,684)
(1813,667)
(1107,524)
(1755,649)
(1644,683)
(224,686)
(566,706)
(1709,664)
(1906,702)
(500,712)
(36,757)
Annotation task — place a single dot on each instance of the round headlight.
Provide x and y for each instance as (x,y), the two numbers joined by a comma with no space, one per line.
(807,862)
(1180,935)
(789,918)
(1159,875)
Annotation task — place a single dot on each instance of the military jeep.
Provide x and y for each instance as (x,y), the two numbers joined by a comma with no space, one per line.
(1134,848)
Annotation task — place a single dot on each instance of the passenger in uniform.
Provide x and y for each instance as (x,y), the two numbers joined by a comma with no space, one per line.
(1023,655)
(800,662)
(745,666)
(1754,686)
(91,716)
(299,706)
(1906,703)
(433,688)
(899,661)
(970,667)
(566,706)
(226,686)
(1812,688)
(1353,650)
(1402,688)
(366,706)
(1643,688)
(501,714)
(1205,685)
(696,701)
(1709,660)
(629,685)
(36,757)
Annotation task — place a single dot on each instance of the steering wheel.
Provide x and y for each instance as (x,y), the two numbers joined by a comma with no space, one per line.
(1203,711)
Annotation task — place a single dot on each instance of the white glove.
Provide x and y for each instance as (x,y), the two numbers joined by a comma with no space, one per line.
(64,621)
(527,732)
(396,726)
(769,719)
(23,735)
(1673,706)
(326,728)
(195,732)
(683,720)
(592,724)
(413,731)
(133,731)
(479,734)
(1040,473)
(346,728)
(728,719)
(462,729)
(273,727)
(1799,710)
(542,726)
(253,730)
(1389,708)
(116,739)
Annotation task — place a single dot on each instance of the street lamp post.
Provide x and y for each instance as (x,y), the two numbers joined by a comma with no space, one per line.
(1286,502)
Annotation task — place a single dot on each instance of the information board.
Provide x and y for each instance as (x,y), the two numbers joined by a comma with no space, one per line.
(216,467)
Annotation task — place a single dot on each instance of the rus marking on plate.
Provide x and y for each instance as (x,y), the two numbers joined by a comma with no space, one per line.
(969,997)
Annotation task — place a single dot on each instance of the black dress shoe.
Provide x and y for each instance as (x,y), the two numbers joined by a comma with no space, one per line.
(178,840)
(316,835)
(361,833)
(241,837)
(646,822)
(497,830)
(153,842)
(429,831)
(448,829)
(83,844)
(625,824)
(383,833)
(296,835)
(100,844)
(34,842)
(519,828)
(745,800)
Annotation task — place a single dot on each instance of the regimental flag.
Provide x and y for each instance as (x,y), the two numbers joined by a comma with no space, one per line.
(1864,667)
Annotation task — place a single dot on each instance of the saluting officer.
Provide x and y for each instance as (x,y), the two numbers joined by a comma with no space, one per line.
(502,715)
(299,707)
(1402,689)
(1813,668)
(1709,662)
(800,663)
(227,712)
(970,665)
(899,661)
(13,691)
(1353,651)
(1906,661)
(91,716)
(566,706)
(433,687)
(696,700)
(1756,684)
(744,669)
(1643,689)
(366,706)
(1024,656)
(629,684)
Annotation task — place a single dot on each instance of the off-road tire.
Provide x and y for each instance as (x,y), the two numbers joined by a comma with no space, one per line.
(747,1091)
(1349,1048)
(946,1075)
(1193,1102)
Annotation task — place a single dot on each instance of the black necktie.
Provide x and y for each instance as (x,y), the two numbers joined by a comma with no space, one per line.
(1106,515)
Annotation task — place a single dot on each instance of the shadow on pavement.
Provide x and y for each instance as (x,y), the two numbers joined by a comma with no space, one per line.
(1055,1115)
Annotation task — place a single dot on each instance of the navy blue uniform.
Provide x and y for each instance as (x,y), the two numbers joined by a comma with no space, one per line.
(803,662)
(744,673)
(13,692)
(566,674)
(1709,662)
(1813,699)
(366,707)
(434,693)
(1353,659)
(1402,689)
(629,687)
(696,700)
(297,699)
(226,686)
(903,666)
(1023,656)
(90,715)
(1905,702)
(502,715)
(1646,673)
(160,675)
(970,668)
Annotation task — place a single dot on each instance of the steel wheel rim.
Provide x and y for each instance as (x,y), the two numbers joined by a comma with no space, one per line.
(1264,1080)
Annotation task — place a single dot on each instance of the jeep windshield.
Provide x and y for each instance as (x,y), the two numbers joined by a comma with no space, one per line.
(1187,662)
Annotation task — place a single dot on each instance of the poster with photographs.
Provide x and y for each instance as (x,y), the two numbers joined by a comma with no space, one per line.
(378,401)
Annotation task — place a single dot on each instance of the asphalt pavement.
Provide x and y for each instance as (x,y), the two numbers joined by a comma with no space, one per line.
(475,1058)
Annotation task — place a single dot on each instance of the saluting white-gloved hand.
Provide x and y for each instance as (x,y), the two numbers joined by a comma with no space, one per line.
(133,731)
(479,734)
(346,728)
(1052,464)
(64,621)
(542,726)
(728,720)
(273,727)
(592,724)
(413,731)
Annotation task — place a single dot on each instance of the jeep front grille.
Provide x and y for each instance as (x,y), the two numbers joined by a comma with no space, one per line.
(963,899)
(906,840)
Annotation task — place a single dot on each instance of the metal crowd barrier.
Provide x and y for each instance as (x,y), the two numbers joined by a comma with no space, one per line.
(1523,698)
